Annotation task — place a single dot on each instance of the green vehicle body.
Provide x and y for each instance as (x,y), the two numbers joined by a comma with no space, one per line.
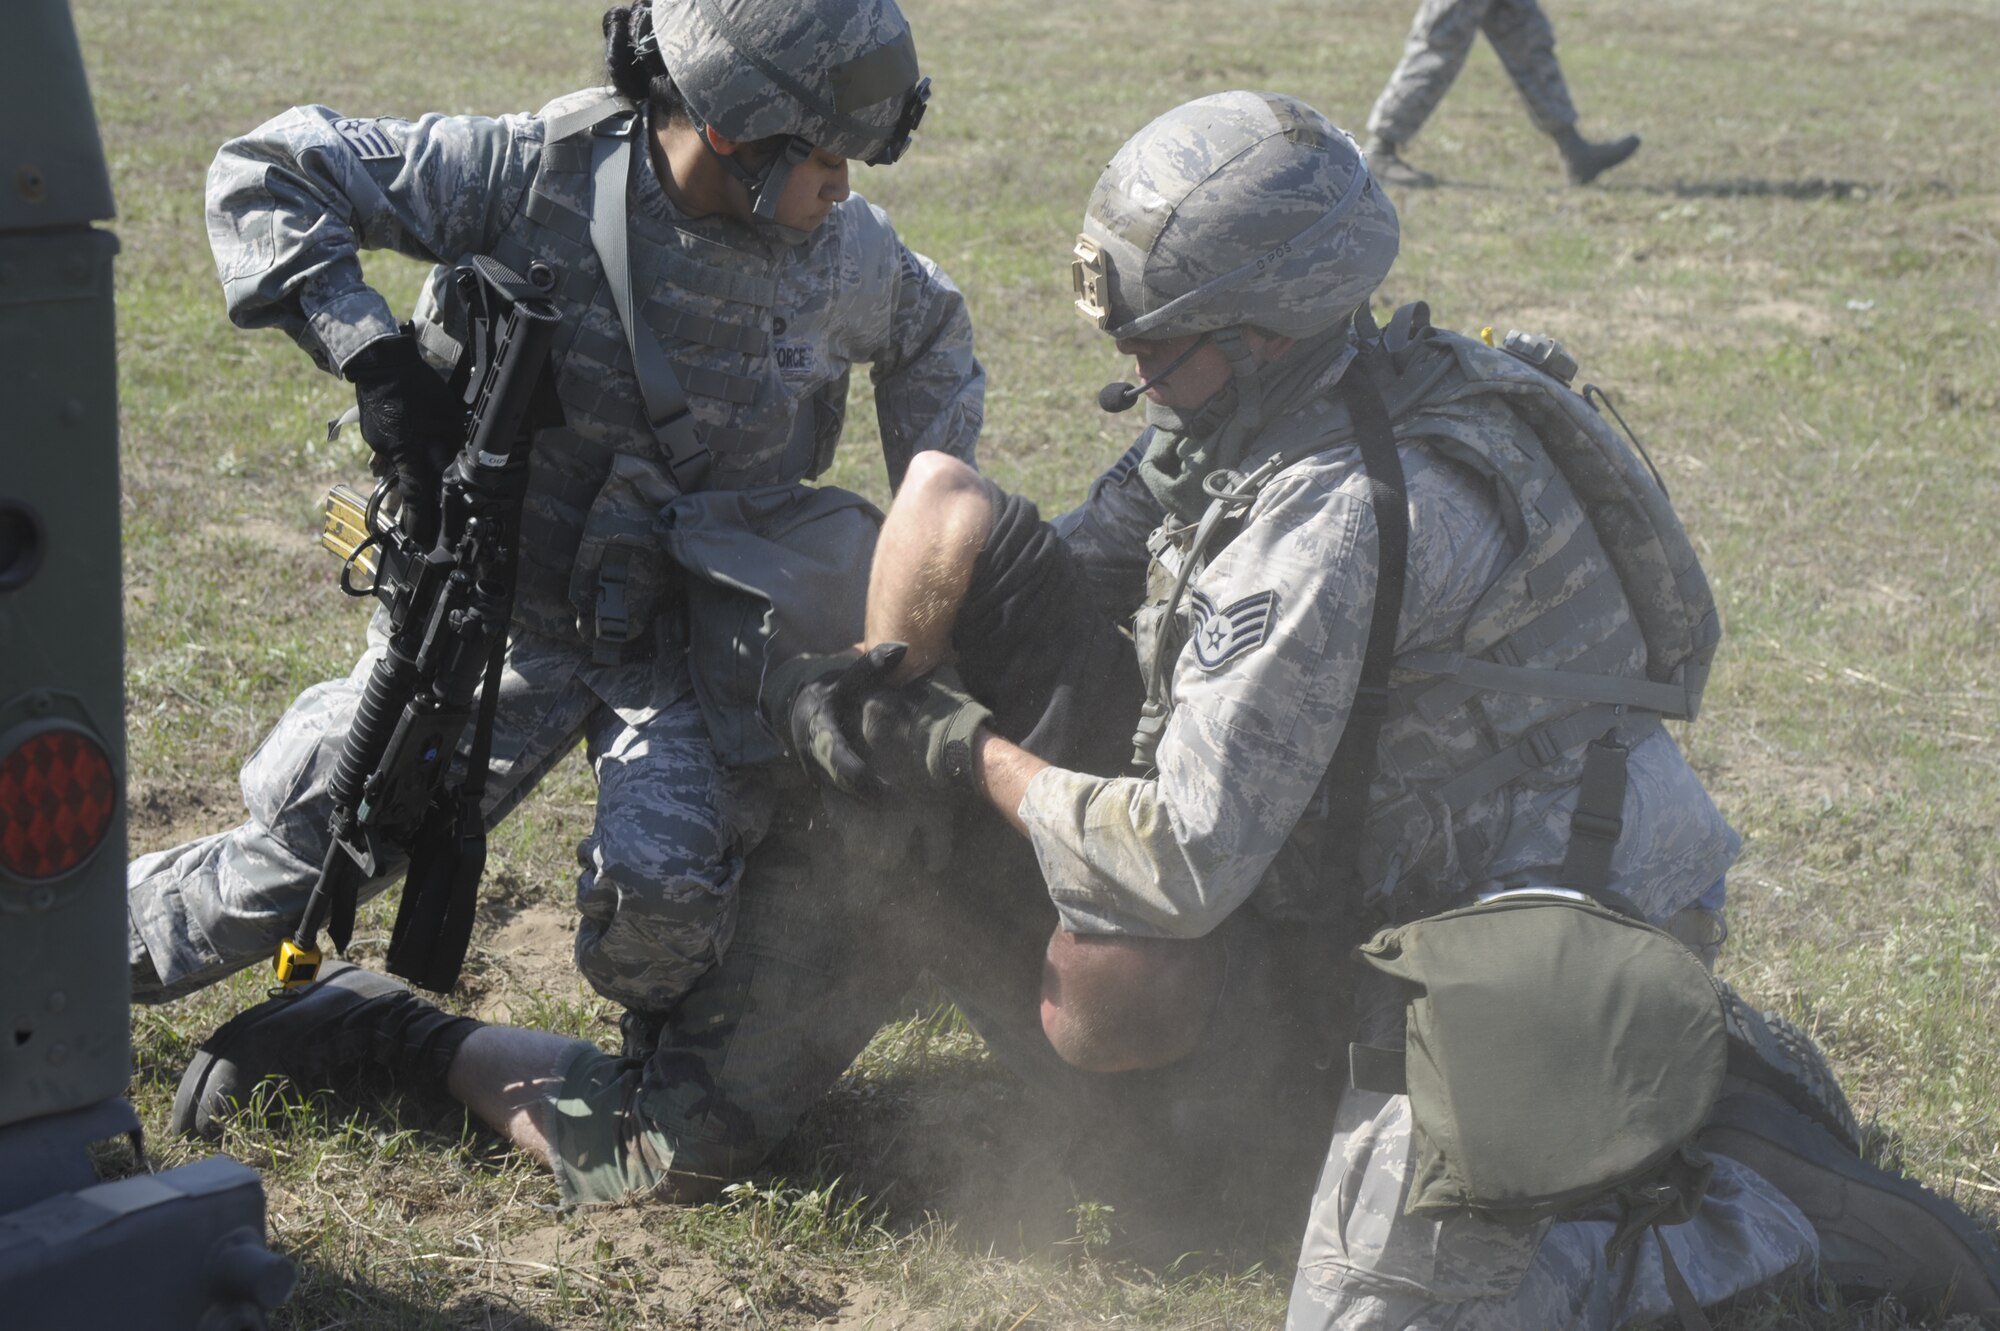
(183,1248)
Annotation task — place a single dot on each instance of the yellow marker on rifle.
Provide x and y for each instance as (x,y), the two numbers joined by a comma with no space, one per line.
(1485,335)
(296,965)
(345,530)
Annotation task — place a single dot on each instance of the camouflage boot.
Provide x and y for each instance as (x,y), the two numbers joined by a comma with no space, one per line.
(1388,167)
(351,1018)
(1586,161)
(1879,1233)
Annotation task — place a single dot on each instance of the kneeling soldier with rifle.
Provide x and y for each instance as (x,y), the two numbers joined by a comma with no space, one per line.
(713,283)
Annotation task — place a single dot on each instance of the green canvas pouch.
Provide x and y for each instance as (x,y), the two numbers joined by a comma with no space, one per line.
(1558,1053)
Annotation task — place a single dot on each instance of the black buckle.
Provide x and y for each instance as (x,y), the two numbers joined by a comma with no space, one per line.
(914,104)
(1370,702)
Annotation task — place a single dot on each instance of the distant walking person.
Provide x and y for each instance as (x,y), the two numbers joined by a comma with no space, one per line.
(1439,40)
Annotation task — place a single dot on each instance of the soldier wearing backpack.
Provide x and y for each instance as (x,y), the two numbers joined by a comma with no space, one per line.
(1408,618)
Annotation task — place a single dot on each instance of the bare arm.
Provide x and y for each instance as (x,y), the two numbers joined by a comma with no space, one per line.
(1002,771)
(924,560)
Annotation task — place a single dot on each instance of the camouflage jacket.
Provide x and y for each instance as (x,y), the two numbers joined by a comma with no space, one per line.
(761,334)
(1275,628)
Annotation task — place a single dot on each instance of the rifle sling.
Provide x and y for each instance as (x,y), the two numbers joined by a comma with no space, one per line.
(667,409)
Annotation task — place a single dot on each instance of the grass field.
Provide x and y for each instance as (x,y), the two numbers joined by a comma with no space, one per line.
(1794,290)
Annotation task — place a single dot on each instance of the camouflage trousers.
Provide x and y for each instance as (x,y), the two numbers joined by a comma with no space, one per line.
(659,869)
(1440,39)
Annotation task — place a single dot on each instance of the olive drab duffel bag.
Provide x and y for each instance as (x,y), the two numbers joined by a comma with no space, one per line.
(1557,1051)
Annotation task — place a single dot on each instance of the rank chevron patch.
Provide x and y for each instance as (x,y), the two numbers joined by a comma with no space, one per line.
(1224,635)
(371,143)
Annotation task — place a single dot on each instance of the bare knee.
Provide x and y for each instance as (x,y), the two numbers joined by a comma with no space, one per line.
(1113,1004)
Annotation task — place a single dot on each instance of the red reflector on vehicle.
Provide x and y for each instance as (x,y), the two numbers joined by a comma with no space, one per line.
(57,796)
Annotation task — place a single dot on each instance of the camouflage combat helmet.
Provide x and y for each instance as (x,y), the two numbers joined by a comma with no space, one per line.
(838,75)
(1238,208)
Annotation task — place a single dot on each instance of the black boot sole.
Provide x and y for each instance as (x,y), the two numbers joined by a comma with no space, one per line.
(1936,1257)
(1774,1053)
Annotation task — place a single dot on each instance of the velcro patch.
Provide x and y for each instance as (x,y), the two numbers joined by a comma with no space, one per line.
(796,360)
(1223,635)
(371,143)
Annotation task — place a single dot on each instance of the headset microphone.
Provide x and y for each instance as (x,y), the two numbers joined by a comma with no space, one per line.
(1121,396)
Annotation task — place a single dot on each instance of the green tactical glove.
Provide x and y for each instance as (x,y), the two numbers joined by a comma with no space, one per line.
(817,702)
(924,730)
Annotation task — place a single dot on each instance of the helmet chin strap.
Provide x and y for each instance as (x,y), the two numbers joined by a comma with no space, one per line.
(766,185)
(1248,369)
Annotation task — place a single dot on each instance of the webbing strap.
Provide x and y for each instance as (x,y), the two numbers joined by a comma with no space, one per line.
(1599,817)
(557,128)
(1353,766)
(667,408)
(1534,682)
(1536,749)
(1691,1316)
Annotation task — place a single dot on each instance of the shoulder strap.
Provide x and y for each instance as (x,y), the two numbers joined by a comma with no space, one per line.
(1353,767)
(667,408)
(588,116)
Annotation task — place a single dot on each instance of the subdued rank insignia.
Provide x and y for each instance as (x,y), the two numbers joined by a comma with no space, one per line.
(1224,635)
(368,139)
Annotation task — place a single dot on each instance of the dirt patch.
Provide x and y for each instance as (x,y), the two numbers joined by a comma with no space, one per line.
(163,811)
(632,1251)
(527,957)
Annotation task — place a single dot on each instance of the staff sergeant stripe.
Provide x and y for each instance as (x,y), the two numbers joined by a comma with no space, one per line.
(371,143)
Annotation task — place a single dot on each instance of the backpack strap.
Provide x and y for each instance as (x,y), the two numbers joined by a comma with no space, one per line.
(1354,759)
(1538,748)
(1536,682)
(1599,816)
(667,409)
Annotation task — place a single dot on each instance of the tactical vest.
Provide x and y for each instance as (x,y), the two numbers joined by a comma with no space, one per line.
(712,305)
(1602,619)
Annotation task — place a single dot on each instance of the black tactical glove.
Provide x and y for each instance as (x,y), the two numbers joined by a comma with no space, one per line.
(923,731)
(871,738)
(409,416)
(817,701)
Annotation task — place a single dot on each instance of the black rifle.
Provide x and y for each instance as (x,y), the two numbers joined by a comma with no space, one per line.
(394,789)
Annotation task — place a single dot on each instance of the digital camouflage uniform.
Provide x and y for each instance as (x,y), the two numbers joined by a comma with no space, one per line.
(761,333)
(1441,37)
(1258,713)
(1264,660)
